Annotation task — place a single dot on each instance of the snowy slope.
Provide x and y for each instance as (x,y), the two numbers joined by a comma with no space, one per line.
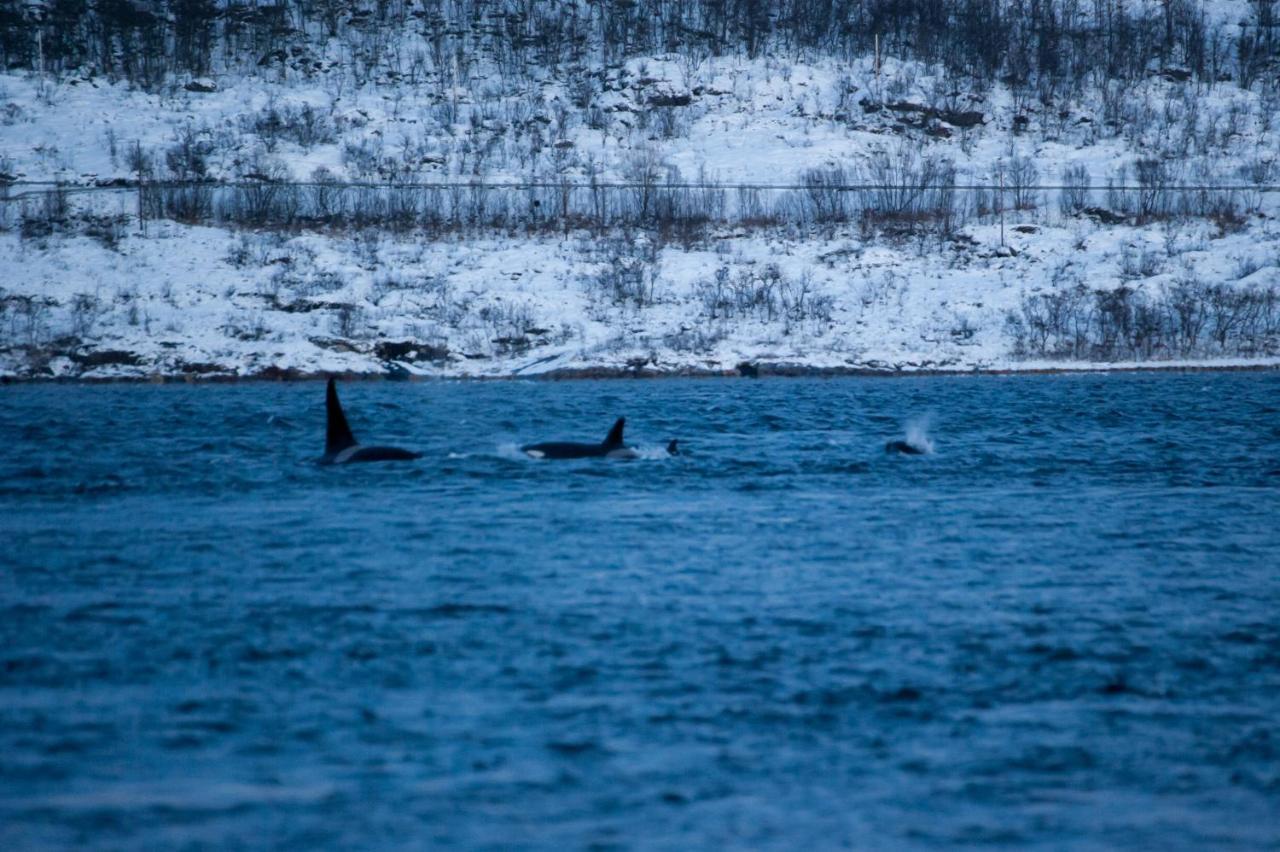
(178,299)
(207,301)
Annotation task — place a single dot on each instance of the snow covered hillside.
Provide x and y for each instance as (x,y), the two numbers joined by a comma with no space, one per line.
(186,300)
(690,211)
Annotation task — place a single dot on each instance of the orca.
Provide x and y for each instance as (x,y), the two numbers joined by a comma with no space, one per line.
(611,447)
(340,446)
(673,448)
(904,448)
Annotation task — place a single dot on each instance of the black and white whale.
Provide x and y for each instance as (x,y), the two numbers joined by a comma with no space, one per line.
(340,446)
(611,447)
(905,448)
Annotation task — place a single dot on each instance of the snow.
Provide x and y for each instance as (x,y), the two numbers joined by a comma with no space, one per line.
(180,299)
(211,301)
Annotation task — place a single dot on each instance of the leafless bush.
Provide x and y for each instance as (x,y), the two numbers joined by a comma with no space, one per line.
(83,313)
(301,124)
(262,197)
(49,213)
(184,198)
(1155,197)
(1022,180)
(508,326)
(699,338)
(363,158)
(350,321)
(670,123)
(826,193)
(28,319)
(1073,198)
(765,295)
(1138,263)
(1257,174)
(626,281)
(800,303)
(320,283)
(325,198)
(187,158)
(1184,319)
(749,295)
(258,249)
(908,192)
(106,228)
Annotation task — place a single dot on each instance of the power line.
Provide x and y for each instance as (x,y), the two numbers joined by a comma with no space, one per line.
(33,189)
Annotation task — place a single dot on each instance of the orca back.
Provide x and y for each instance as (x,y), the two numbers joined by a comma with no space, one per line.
(904,448)
(337,436)
(564,450)
(611,446)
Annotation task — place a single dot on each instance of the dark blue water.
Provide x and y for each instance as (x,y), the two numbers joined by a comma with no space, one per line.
(1060,629)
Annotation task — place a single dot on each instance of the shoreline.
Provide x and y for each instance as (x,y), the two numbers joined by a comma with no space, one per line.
(755,371)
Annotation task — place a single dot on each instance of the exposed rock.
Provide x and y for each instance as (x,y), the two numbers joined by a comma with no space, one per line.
(961,118)
(282,374)
(274,56)
(907,106)
(1103,215)
(198,368)
(670,100)
(336,344)
(956,118)
(105,358)
(410,350)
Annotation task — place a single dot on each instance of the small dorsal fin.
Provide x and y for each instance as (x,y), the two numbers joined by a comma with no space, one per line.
(337,436)
(614,439)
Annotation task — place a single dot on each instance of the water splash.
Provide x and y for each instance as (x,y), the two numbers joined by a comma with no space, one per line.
(652,452)
(916,433)
(511,450)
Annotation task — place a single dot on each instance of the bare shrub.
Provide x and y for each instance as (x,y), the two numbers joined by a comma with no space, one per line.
(1155,182)
(300,124)
(801,304)
(1023,183)
(28,319)
(107,229)
(1184,319)
(350,321)
(626,281)
(83,314)
(699,338)
(1073,198)
(908,192)
(1138,263)
(825,191)
(764,295)
(508,326)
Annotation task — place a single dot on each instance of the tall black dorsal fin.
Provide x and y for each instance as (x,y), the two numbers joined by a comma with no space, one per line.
(614,439)
(337,436)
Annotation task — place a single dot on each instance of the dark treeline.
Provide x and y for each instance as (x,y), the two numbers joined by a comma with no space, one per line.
(898,194)
(1042,43)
